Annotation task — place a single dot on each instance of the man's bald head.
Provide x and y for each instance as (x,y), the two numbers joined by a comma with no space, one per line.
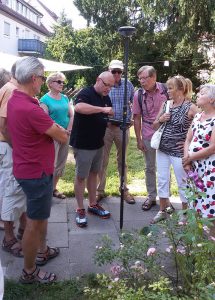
(104,83)
(107,75)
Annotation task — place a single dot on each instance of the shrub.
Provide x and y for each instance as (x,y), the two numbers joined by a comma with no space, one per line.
(137,262)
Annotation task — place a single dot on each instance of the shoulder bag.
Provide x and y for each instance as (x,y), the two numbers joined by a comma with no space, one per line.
(156,138)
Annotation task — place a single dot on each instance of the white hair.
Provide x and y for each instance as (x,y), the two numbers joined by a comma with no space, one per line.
(26,68)
(210,88)
(54,76)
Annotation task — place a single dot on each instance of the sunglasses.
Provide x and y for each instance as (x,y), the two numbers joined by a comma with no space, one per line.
(116,71)
(59,81)
(42,77)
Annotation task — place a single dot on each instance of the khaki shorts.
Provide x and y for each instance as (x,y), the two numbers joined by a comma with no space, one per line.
(61,153)
(13,197)
(87,161)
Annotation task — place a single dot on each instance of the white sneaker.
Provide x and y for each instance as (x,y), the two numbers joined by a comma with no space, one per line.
(170,209)
(161,215)
(182,219)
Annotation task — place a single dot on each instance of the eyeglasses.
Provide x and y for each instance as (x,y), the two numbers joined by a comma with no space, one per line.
(59,81)
(106,84)
(143,78)
(42,77)
(116,71)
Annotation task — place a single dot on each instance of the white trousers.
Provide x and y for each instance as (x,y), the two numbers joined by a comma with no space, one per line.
(164,162)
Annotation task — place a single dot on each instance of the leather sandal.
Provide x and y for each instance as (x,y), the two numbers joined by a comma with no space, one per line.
(129,198)
(35,277)
(59,195)
(20,234)
(148,203)
(43,257)
(13,247)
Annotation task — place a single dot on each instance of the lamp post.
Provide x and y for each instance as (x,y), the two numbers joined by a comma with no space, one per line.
(126,32)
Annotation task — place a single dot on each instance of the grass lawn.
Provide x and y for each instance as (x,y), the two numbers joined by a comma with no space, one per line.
(66,290)
(136,174)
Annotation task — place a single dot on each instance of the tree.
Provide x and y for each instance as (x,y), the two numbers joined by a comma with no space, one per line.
(80,47)
(166,29)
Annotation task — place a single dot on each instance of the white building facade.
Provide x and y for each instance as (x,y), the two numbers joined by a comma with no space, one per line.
(21,27)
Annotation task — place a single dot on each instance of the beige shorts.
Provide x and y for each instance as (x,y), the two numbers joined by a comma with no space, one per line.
(13,197)
(61,153)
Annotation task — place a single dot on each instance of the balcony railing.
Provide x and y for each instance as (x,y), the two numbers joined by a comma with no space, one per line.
(31,46)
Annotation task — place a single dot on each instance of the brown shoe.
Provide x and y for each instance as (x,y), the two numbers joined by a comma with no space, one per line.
(99,197)
(129,198)
(148,203)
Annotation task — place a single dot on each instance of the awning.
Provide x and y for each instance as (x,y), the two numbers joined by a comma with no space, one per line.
(7,60)
(51,65)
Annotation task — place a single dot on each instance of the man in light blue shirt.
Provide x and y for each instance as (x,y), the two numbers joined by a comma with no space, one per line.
(113,132)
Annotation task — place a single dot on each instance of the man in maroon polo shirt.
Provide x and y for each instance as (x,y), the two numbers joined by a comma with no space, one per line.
(32,132)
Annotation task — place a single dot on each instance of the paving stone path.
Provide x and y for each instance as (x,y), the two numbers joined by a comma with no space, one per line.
(77,245)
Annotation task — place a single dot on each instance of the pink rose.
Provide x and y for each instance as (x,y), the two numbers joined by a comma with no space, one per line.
(151,251)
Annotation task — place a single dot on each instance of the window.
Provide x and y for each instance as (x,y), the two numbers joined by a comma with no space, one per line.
(36,37)
(14,4)
(24,12)
(17,6)
(34,18)
(6,2)
(27,33)
(20,8)
(28,13)
(31,16)
(6,29)
(17,31)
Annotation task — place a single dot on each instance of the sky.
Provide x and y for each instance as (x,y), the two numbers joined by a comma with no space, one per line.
(70,10)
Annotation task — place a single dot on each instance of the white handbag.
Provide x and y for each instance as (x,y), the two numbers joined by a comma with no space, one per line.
(156,138)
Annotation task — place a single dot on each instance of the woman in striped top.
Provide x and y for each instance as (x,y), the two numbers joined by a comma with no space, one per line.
(177,123)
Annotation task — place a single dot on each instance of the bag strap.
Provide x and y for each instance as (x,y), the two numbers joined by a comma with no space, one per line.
(140,96)
(164,90)
(168,102)
(140,99)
